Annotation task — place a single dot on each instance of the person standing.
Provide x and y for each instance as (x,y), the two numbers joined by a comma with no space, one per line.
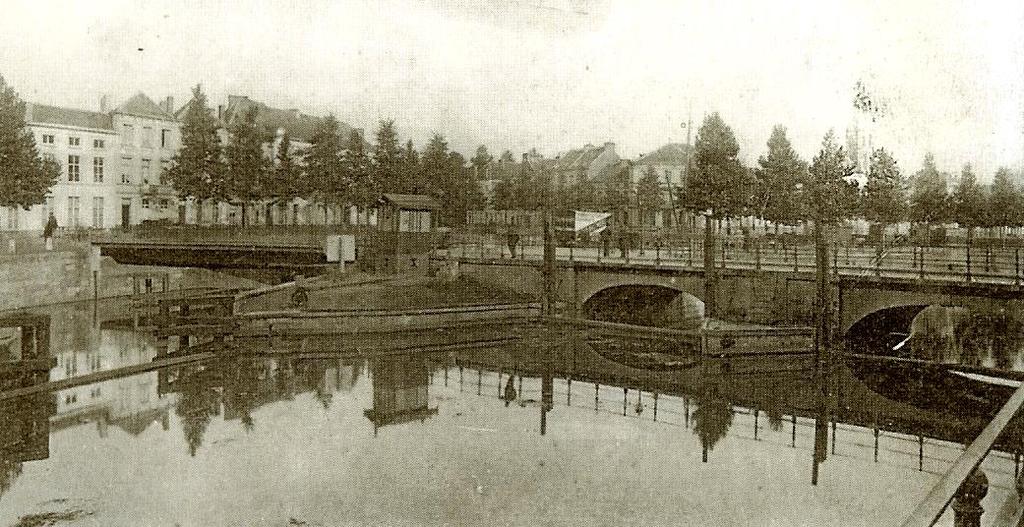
(49,230)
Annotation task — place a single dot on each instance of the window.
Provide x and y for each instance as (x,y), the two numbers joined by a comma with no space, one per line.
(73,169)
(164,164)
(145,171)
(163,204)
(73,211)
(126,166)
(147,137)
(145,203)
(128,135)
(99,143)
(165,138)
(47,139)
(97,212)
(74,141)
(97,170)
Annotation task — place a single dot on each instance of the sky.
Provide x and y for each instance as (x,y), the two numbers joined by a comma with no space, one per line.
(557,74)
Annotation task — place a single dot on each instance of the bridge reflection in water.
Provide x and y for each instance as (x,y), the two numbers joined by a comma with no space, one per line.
(429,402)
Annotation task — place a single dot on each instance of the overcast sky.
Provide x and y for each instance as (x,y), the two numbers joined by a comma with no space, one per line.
(555,74)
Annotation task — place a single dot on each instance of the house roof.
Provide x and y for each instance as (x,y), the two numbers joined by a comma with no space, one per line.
(300,126)
(141,106)
(42,113)
(669,154)
(579,158)
(411,201)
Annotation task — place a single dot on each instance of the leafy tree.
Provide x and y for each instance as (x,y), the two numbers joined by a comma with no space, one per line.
(969,203)
(583,193)
(358,172)
(410,177)
(387,158)
(247,167)
(285,179)
(885,193)
(25,177)
(648,194)
(929,198)
(781,177)
(618,191)
(325,168)
(718,187)
(1004,201)
(480,161)
(197,168)
(506,157)
(503,197)
(526,188)
(831,198)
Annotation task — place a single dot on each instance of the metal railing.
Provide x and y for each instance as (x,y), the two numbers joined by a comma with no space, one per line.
(986,264)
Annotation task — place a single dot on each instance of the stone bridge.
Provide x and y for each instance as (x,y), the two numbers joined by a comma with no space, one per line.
(642,293)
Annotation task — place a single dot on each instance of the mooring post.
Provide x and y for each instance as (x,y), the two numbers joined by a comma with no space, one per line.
(876,445)
(625,391)
(920,453)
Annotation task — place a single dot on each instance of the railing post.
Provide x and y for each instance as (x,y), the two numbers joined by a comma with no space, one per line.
(921,264)
(968,263)
(1016,266)
(689,253)
(878,265)
(657,253)
(757,256)
(988,258)
(835,260)
(796,258)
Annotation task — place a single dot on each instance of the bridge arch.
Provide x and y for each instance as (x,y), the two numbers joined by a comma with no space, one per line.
(882,328)
(645,304)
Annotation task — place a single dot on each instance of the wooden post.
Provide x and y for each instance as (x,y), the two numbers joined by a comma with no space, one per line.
(793,442)
(686,412)
(479,380)
(756,415)
(920,453)
(568,392)
(655,406)
(757,256)
(460,378)
(596,388)
(796,259)
(876,445)
(625,392)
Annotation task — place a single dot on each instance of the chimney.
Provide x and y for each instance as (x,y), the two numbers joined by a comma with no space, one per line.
(104,104)
(169,105)
(220,112)
(609,146)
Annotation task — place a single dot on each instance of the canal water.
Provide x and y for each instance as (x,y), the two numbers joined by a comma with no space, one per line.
(544,431)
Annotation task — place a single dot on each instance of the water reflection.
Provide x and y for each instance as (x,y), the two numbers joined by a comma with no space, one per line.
(711,419)
(400,392)
(608,407)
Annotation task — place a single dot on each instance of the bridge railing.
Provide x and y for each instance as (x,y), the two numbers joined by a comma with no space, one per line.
(965,485)
(951,263)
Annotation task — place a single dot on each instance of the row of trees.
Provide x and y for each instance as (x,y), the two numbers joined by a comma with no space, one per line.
(332,170)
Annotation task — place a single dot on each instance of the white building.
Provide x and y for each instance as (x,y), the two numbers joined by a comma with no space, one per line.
(110,160)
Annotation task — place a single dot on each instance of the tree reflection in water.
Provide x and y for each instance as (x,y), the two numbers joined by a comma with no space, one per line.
(711,419)
(198,403)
